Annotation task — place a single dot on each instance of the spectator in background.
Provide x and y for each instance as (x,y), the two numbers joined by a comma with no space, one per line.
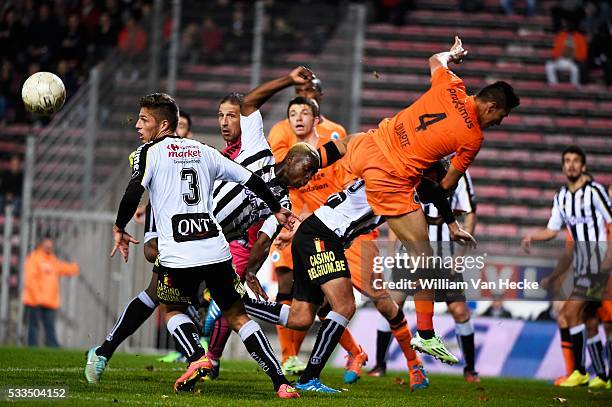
(12,184)
(570,12)
(132,40)
(73,40)
(43,37)
(189,50)
(41,290)
(68,76)
(90,15)
(570,54)
(508,7)
(104,37)
(211,40)
(497,310)
(12,35)
(8,92)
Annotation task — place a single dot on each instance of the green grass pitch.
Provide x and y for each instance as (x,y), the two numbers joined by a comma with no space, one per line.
(140,380)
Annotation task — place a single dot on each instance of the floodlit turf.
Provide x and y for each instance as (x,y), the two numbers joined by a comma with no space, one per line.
(133,380)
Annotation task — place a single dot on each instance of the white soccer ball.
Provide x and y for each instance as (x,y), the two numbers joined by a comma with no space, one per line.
(43,93)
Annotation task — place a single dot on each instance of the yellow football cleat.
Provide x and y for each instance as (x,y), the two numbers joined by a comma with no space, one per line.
(576,379)
(598,383)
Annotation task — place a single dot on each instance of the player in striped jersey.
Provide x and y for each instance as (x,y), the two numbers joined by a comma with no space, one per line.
(584,208)
(462,201)
(321,271)
(141,307)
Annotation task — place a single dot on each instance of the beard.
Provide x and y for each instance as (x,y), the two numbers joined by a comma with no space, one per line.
(573,178)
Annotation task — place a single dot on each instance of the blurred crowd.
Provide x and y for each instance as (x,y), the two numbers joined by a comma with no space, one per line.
(66,37)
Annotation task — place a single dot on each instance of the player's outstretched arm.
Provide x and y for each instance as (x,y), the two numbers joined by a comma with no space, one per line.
(332,151)
(442,59)
(258,96)
(542,235)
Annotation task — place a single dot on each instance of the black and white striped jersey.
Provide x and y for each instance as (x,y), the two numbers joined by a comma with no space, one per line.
(586,213)
(348,214)
(462,200)
(237,208)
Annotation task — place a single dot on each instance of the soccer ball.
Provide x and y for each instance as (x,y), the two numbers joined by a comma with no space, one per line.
(43,93)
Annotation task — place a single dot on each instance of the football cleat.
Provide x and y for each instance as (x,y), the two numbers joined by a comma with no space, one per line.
(599,383)
(576,379)
(293,366)
(354,363)
(559,380)
(377,371)
(418,378)
(315,384)
(172,357)
(433,347)
(471,376)
(214,372)
(195,371)
(94,366)
(286,391)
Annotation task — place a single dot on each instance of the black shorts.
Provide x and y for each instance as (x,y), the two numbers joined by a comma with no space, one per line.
(181,286)
(318,257)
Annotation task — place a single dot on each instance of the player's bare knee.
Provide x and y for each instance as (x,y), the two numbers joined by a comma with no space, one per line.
(459,311)
(300,321)
(346,309)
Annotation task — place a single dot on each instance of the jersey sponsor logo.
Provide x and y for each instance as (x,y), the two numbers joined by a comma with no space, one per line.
(574,220)
(136,162)
(188,151)
(460,107)
(193,226)
(324,262)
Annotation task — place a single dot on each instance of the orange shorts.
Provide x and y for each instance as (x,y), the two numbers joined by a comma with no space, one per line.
(389,193)
(360,260)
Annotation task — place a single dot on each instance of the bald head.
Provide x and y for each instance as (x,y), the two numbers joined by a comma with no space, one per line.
(304,151)
(301,163)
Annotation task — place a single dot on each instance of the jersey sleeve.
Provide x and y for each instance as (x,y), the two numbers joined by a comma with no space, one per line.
(556,220)
(602,202)
(252,131)
(444,76)
(143,164)
(224,169)
(466,153)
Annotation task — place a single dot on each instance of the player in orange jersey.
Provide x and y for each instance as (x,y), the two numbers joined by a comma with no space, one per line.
(305,124)
(392,158)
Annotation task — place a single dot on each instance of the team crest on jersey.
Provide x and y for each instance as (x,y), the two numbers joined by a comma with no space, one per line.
(275,256)
(335,136)
(167,280)
(417,200)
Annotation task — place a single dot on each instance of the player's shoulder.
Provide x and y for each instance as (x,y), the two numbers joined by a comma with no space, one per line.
(281,134)
(331,130)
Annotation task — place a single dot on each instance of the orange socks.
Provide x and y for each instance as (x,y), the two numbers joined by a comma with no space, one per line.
(424,314)
(285,337)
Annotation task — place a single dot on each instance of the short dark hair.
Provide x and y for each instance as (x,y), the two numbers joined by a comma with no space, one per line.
(234,98)
(501,93)
(162,107)
(187,117)
(301,100)
(574,150)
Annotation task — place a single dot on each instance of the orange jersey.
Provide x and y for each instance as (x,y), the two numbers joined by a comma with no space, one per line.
(441,122)
(326,181)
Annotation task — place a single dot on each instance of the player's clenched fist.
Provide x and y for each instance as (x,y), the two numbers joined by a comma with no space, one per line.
(457,52)
(301,75)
